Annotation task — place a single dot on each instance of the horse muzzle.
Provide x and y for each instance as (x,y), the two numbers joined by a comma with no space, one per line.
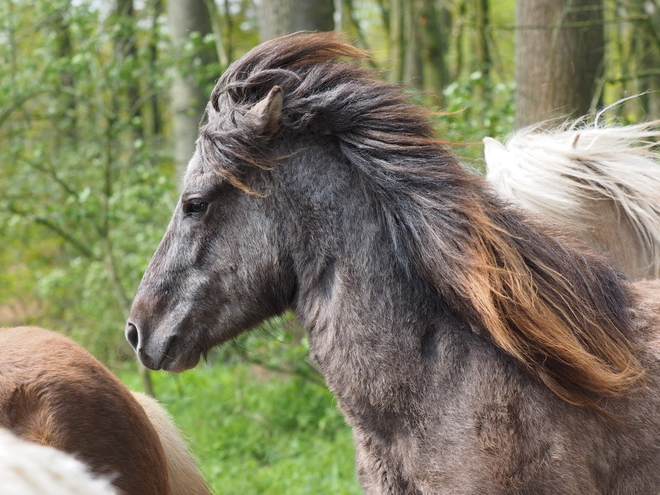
(150,351)
(159,353)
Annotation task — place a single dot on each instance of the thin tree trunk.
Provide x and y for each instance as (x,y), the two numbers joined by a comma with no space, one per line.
(188,98)
(459,37)
(126,50)
(436,29)
(229,29)
(412,60)
(484,59)
(384,9)
(559,57)
(280,17)
(397,40)
(482,23)
(347,22)
(649,49)
(154,104)
(217,31)
(67,121)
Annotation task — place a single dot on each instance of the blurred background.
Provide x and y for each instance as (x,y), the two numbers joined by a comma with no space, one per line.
(100,102)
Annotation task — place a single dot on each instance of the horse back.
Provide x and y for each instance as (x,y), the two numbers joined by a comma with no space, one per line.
(53,392)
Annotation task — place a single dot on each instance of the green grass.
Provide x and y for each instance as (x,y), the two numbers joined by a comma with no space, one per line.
(259,432)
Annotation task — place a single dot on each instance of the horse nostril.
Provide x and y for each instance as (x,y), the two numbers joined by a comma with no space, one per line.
(132,335)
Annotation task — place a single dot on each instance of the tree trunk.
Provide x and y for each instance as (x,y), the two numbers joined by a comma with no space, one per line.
(648,46)
(280,17)
(67,121)
(126,52)
(397,40)
(413,66)
(346,22)
(436,31)
(188,97)
(559,58)
(154,103)
(461,11)
(408,41)
(482,24)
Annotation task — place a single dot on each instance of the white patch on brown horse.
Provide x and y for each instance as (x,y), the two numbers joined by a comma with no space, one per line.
(30,469)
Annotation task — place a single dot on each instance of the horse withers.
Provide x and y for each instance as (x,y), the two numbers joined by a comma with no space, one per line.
(471,348)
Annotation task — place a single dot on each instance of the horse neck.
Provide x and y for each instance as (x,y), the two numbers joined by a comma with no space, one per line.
(370,314)
(537,298)
(371,322)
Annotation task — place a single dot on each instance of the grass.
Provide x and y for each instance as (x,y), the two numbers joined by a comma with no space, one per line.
(255,431)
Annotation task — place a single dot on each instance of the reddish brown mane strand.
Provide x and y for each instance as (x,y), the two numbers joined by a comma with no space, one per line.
(560,312)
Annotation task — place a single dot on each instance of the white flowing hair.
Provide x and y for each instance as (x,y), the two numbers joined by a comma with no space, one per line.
(30,469)
(555,171)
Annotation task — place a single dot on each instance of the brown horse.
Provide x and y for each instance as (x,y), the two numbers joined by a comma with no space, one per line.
(602,181)
(471,349)
(54,393)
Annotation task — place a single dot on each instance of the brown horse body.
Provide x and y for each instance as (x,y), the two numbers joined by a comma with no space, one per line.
(473,350)
(53,392)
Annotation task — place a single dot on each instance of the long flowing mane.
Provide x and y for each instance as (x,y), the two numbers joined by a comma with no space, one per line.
(555,170)
(561,313)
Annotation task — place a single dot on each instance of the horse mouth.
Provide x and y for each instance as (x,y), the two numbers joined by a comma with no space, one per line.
(178,365)
(175,361)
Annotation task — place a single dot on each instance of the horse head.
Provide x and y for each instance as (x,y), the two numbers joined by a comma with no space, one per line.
(220,267)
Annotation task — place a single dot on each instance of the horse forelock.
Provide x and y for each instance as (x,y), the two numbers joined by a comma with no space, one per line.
(561,313)
(326,91)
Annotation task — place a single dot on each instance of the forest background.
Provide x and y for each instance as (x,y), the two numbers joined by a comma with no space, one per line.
(100,102)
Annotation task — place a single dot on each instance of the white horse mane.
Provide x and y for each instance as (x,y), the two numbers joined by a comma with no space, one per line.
(555,171)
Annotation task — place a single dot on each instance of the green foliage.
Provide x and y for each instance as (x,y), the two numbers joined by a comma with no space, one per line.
(190,64)
(86,188)
(256,431)
(476,108)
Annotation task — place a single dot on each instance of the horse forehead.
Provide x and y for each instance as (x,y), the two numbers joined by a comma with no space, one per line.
(198,179)
(197,175)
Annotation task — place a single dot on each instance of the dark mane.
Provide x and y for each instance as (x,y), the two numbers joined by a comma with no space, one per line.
(560,312)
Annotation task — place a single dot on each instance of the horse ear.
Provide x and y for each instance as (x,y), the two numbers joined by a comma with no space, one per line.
(268,111)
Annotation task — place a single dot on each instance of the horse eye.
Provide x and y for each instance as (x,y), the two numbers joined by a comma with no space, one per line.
(195,207)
